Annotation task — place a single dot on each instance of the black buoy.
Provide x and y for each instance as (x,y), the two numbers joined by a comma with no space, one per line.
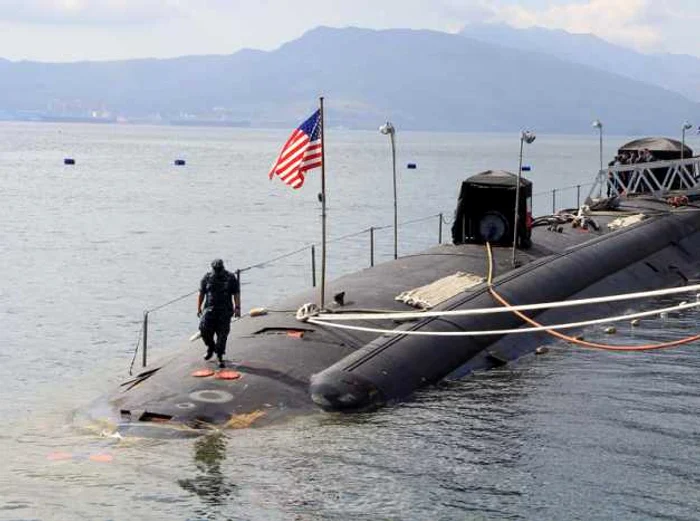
(69,161)
(411,166)
(179,162)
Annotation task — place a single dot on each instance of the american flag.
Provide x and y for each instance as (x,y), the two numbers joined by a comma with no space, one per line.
(301,152)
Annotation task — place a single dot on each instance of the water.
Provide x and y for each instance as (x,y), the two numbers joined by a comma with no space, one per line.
(574,434)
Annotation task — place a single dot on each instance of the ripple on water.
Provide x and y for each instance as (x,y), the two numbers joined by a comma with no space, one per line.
(575,434)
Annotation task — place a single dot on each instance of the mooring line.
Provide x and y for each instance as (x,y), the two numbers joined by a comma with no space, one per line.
(578,341)
(520,330)
(400,315)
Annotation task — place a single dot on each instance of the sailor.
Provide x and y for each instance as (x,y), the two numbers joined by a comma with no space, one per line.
(220,294)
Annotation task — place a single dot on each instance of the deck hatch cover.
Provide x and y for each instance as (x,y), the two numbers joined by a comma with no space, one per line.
(154,417)
(430,295)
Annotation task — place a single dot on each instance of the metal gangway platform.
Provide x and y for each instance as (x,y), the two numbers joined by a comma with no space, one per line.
(657,178)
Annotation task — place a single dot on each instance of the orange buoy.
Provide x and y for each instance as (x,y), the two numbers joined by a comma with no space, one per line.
(202,373)
(228,374)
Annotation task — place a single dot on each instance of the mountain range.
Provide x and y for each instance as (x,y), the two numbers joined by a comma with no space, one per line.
(486,78)
(676,72)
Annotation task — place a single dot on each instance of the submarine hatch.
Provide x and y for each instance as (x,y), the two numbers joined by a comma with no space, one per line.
(486,210)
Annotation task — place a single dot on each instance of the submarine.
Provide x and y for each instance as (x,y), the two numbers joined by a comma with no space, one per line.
(423,318)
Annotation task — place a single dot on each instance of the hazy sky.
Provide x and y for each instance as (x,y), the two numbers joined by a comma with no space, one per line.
(72,30)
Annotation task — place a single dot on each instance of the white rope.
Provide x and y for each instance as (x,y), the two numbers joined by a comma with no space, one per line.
(336,317)
(569,325)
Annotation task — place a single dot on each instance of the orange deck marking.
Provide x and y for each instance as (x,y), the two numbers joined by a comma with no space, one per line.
(102,458)
(228,374)
(202,373)
(295,334)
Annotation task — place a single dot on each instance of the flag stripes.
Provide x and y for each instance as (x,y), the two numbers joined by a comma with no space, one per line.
(302,152)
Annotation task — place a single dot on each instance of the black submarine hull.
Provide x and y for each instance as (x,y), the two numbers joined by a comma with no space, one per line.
(652,255)
(288,367)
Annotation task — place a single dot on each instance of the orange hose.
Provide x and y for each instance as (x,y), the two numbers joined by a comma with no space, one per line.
(583,343)
(594,345)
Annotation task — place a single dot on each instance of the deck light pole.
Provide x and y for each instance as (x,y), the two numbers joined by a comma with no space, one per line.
(526,136)
(388,130)
(599,125)
(686,126)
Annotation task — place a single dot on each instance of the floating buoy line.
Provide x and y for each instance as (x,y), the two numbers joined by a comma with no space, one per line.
(332,320)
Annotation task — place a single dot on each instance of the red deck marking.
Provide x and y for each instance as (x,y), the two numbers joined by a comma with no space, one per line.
(295,334)
(202,373)
(228,374)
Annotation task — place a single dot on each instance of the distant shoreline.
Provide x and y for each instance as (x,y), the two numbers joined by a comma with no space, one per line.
(120,121)
(280,126)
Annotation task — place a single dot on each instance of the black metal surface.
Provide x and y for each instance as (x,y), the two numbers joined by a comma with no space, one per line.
(342,370)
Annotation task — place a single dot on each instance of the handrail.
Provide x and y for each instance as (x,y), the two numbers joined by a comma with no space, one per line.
(143,340)
(656,177)
(563,188)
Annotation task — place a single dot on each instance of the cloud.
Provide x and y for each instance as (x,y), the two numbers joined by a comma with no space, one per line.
(61,30)
(89,12)
(473,12)
(627,22)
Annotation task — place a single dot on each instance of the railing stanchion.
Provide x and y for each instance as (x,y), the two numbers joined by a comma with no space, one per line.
(240,289)
(578,196)
(371,246)
(145,339)
(313,265)
(440,229)
(554,201)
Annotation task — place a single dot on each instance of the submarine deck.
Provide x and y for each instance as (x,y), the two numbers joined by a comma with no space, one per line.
(277,355)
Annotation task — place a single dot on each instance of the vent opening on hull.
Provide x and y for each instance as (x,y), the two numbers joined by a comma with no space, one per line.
(154,417)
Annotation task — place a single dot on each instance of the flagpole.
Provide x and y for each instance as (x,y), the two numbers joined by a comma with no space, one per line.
(323,210)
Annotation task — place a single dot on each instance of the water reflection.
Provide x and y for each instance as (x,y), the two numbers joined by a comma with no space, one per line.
(210,483)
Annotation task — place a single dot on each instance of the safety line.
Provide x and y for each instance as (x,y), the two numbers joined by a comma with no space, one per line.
(577,341)
(136,350)
(537,328)
(399,315)
(595,345)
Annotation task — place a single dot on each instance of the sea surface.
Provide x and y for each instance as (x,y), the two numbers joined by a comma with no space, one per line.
(84,250)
